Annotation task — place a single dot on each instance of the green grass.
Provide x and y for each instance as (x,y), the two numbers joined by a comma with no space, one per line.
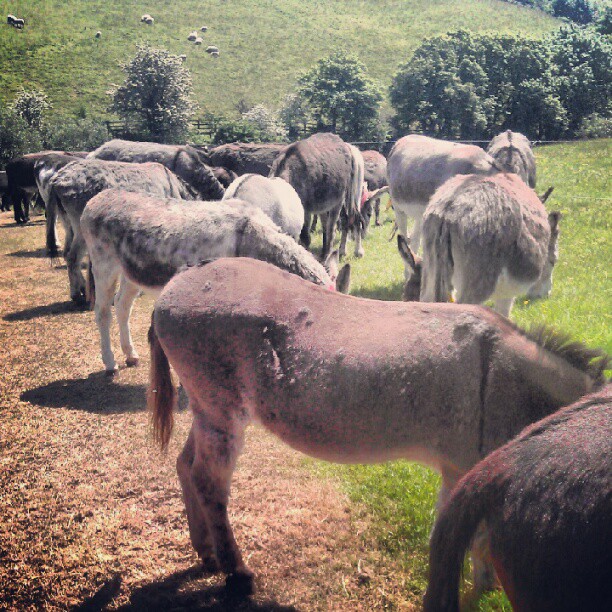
(400,495)
(264,44)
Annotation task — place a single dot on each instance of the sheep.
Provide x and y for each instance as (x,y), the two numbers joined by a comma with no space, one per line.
(150,20)
(212,49)
(198,41)
(10,19)
(214,54)
(192,36)
(98,34)
(145,17)
(204,28)
(182,57)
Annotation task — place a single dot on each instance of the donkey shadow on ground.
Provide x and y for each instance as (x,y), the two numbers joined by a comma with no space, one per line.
(177,591)
(36,253)
(97,394)
(45,310)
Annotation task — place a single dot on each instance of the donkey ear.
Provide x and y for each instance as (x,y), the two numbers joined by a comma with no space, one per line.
(405,252)
(553,218)
(331,263)
(546,195)
(343,281)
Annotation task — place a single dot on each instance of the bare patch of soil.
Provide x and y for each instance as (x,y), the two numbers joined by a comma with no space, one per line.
(91,515)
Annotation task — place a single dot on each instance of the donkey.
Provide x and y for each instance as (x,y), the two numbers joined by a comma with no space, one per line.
(487,237)
(71,187)
(327,173)
(277,198)
(444,384)
(512,151)
(546,497)
(144,240)
(376,177)
(183,160)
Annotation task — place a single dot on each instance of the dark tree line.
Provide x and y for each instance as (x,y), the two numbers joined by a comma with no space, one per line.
(470,87)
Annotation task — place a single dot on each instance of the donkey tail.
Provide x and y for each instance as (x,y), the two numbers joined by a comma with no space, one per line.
(161,395)
(470,503)
(357,178)
(51,223)
(438,260)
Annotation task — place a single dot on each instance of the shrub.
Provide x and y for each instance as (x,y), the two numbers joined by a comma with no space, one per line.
(16,136)
(79,134)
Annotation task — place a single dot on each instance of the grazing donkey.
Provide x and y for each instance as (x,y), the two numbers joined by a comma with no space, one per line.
(327,174)
(183,160)
(546,497)
(376,177)
(512,152)
(444,384)
(144,240)
(277,198)
(418,165)
(487,237)
(71,187)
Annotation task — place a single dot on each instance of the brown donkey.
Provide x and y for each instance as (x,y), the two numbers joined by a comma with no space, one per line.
(443,384)
(546,498)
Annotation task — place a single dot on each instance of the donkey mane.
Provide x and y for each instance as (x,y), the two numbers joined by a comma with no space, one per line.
(592,362)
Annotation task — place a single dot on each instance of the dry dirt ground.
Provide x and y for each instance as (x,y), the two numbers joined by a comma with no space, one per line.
(91,515)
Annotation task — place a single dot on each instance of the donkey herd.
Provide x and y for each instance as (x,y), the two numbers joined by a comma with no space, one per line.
(518,424)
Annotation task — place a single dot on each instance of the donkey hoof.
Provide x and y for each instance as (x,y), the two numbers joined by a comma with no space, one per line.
(241,583)
(210,565)
(132,362)
(111,373)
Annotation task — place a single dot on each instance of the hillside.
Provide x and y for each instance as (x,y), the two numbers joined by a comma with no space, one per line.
(264,44)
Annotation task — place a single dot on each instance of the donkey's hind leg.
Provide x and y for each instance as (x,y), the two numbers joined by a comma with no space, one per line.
(123,308)
(73,262)
(105,278)
(198,525)
(217,446)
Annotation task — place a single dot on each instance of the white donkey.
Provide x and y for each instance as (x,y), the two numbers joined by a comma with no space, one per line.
(444,384)
(143,241)
(418,165)
(486,238)
(513,152)
(275,196)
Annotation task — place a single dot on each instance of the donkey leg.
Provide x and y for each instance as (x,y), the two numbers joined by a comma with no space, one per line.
(329,231)
(196,519)
(483,572)
(377,212)
(343,239)
(105,279)
(123,308)
(415,237)
(359,250)
(503,306)
(217,446)
(68,234)
(76,253)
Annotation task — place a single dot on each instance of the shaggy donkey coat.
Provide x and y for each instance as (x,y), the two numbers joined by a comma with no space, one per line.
(512,152)
(547,500)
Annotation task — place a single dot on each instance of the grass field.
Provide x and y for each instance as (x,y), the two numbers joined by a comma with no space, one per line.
(402,495)
(92,515)
(264,44)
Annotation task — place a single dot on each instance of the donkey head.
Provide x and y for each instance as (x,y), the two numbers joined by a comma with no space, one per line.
(414,264)
(543,286)
(342,278)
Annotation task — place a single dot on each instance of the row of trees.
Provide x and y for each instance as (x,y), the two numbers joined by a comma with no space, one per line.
(582,12)
(455,86)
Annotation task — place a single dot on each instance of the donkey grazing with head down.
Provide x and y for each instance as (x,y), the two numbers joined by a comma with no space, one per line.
(71,187)
(546,497)
(486,237)
(143,241)
(444,384)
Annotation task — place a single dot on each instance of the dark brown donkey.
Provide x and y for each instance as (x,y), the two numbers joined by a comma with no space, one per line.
(547,500)
(444,384)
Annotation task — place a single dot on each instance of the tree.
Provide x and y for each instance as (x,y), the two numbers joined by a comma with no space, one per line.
(31,105)
(16,136)
(579,11)
(266,123)
(294,115)
(341,97)
(156,95)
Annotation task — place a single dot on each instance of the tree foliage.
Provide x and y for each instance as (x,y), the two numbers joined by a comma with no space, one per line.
(31,106)
(341,97)
(16,136)
(155,99)
(266,122)
(579,11)
(471,87)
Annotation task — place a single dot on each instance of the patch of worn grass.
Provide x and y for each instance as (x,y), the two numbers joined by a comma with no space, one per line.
(401,495)
(265,44)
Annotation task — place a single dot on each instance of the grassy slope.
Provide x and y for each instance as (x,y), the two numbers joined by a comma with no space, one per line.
(402,495)
(264,44)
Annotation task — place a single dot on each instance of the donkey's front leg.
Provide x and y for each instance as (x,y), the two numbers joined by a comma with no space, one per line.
(217,446)
(124,301)
(105,280)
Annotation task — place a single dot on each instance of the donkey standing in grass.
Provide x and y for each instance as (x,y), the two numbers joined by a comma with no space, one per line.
(274,196)
(143,241)
(546,497)
(71,187)
(444,384)
(486,238)
(512,151)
